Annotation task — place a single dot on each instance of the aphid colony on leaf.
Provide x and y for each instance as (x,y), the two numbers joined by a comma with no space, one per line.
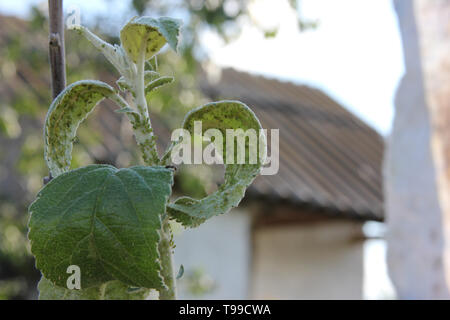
(113,224)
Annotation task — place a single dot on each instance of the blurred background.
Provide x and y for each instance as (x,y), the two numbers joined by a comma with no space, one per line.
(324,72)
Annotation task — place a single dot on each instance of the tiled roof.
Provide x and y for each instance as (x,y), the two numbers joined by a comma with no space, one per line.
(328,157)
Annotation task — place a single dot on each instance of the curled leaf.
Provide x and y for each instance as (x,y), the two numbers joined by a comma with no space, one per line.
(151,33)
(157,83)
(104,220)
(64,116)
(221,115)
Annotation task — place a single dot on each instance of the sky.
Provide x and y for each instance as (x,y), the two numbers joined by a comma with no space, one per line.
(354,55)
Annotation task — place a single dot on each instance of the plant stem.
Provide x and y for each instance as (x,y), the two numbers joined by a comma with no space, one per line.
(140,83)
(165,250)
(143,130)
(146,140)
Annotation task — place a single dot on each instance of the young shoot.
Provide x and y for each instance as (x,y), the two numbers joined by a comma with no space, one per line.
(100,232)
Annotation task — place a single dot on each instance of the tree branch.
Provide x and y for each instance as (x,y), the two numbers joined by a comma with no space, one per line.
(56,51)
(56,47)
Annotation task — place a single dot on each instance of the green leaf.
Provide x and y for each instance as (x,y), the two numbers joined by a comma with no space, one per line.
(157,83)
(104,220)
(66,113)
(113,290)
(150,75)
(221,115)
(151,33)
(125,85)
(49,291)
(127,110)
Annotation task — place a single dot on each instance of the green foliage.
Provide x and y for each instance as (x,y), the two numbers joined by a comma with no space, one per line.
(139,5)
(157,83)
(222,116)
(105,221)
(113,290)
(112,223)
(25,100)
(150,33)
(66,113)
(198,282)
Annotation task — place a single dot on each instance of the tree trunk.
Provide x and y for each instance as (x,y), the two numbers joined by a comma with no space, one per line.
(433,19)
(417,163)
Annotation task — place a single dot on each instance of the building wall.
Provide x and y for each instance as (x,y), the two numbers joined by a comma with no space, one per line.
(315,260)
(216,257)
(224,259)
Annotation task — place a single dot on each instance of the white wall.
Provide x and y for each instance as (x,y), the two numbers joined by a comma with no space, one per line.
(221,247)
(322,260)
(316,260)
